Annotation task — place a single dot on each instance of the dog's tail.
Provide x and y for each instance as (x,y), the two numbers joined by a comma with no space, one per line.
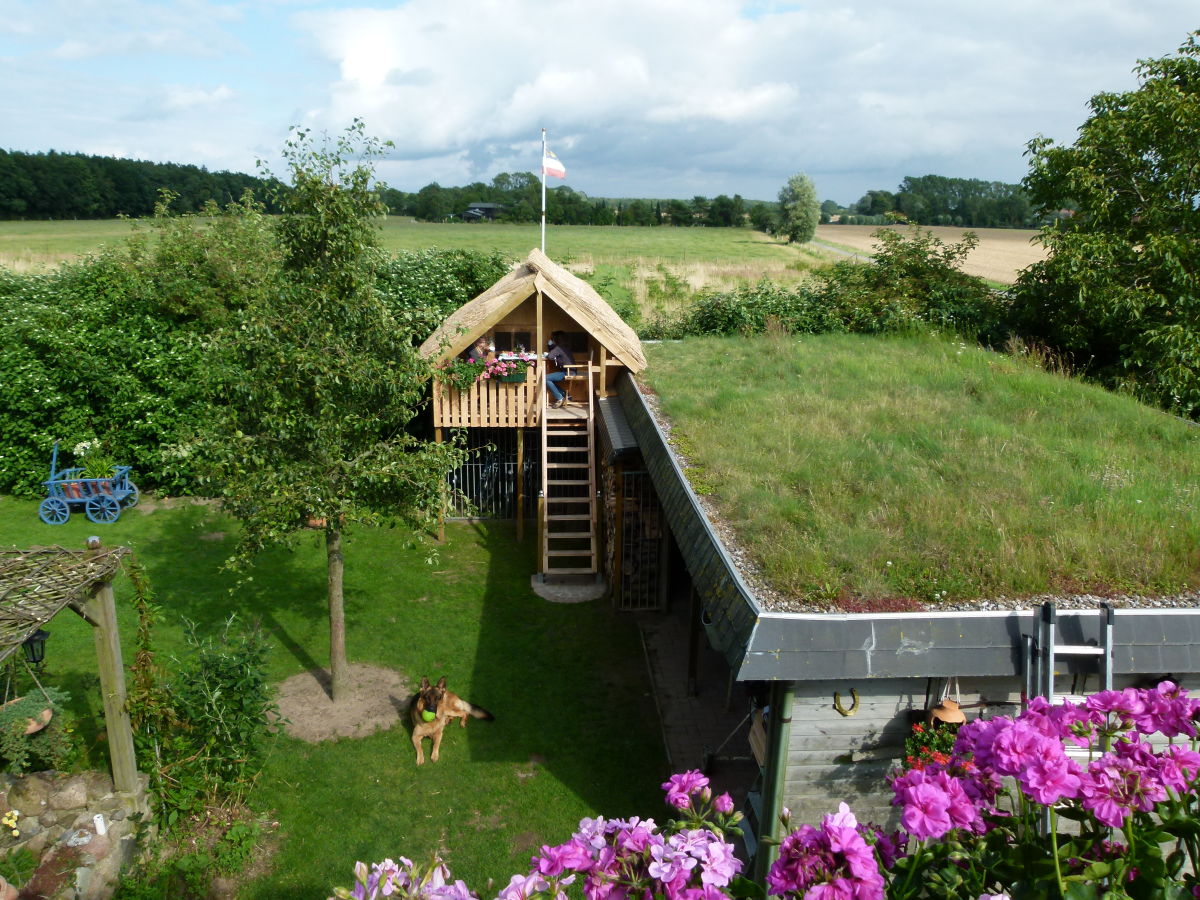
(478,712)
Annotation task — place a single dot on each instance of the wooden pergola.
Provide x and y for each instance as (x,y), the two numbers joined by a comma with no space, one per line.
(38,584)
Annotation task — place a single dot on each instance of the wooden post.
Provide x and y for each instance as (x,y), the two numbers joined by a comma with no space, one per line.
(603,371)
(101,610)
(541,532)
(520,484)
(441,536)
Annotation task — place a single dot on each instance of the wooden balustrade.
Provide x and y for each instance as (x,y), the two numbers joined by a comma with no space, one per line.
(488,404)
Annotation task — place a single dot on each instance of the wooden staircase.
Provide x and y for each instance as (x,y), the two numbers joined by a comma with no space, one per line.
(569,520)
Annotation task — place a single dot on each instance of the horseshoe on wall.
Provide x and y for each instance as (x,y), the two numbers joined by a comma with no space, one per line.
(837,703)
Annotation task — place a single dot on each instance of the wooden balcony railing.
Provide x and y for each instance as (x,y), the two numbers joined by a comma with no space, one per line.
(488,404)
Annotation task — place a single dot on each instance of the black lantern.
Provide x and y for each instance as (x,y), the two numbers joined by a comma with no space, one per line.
(35,647)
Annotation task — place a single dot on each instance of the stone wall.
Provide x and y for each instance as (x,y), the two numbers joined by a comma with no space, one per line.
(79,828)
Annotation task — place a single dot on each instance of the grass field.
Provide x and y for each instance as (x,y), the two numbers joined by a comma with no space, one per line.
(661,269)
(1001,254)
(872,469)
(574,736)
(655,266)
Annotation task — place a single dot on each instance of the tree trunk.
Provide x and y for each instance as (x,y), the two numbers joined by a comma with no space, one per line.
(335,564)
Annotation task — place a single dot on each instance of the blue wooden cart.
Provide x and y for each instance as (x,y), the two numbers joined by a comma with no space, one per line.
(102,499)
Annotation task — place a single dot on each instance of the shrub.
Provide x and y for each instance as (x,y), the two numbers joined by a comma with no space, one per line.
(912,284)
(202,730)
(421,288)
(55,746)
(108,352)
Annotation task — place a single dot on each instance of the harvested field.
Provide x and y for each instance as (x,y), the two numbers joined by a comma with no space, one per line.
(1001,254)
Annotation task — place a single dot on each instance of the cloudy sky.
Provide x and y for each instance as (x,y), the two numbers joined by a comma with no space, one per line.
(658,98)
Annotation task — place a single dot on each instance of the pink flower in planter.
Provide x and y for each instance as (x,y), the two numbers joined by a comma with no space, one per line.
(681,786)
(1052,776)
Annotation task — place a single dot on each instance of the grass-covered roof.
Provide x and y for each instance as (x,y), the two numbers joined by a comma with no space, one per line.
(871,473)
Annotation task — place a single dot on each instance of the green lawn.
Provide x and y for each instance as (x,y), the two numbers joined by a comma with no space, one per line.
(53,241)
(575,731)
(871,470)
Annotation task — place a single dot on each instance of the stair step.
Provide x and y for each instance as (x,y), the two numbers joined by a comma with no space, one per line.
(560,517)
(571,571)
(568,499)
(569,553)
(568,534)
(1078,650)
(567,465)
(563,481)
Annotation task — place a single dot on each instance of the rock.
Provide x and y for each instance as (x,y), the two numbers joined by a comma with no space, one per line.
(39,842)
(83,881)
(28,796)
(80,837)
(99,785)
(69,794)
(98,848)
(29,827)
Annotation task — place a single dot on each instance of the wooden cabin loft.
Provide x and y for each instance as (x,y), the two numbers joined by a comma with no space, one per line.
(536,299)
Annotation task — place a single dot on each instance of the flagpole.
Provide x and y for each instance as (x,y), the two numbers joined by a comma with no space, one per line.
(542,168)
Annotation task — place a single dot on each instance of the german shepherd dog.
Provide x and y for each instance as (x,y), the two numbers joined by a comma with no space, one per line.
(443,706)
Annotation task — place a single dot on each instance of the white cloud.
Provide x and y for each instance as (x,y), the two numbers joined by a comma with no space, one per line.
(650,97)
(182,98)
(706,84)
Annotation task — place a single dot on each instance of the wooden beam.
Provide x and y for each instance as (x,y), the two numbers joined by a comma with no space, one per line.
(520,484)
(101,609)
(441,536)
(603,392)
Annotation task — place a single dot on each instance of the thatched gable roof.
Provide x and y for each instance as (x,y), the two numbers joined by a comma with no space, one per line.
(36,585)
(573,295)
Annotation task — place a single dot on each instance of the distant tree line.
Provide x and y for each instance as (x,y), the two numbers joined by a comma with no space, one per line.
(520,196)
(75,186)
(938,200)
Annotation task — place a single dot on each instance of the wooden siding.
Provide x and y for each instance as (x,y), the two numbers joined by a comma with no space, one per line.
(833,758)
(488,404)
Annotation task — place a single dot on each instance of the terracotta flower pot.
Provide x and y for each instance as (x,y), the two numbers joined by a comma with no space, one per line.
(34,723)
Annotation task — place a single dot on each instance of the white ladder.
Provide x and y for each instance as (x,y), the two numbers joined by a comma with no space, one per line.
(1041,653)
(569,513)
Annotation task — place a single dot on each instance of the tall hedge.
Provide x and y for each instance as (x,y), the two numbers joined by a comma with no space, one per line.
(109,350)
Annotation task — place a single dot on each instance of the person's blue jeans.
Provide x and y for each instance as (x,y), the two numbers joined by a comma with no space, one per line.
(552,380)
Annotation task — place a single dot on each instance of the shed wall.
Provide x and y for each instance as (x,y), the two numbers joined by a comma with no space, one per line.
(833,758)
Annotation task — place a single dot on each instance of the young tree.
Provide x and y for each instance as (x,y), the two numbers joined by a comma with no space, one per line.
(799,209)
(1120,290)
(315,383)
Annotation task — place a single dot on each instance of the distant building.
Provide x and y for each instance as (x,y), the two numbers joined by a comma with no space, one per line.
(477,211)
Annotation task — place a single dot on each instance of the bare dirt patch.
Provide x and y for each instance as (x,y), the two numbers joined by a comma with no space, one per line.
(1001,254)
(375,700)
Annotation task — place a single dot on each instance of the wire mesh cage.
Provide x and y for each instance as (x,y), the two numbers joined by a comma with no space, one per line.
(485,487)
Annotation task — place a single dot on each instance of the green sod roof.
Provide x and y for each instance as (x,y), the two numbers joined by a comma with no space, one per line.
(882,473)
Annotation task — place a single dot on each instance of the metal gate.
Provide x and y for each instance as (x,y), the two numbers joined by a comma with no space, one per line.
(643,548)
(485,487)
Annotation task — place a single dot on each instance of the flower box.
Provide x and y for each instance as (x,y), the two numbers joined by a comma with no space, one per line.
(515,377)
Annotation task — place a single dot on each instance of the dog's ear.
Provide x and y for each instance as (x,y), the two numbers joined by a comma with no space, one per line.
(424,684)
(442,682)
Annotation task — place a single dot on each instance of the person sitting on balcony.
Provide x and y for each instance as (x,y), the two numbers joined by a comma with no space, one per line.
(560,355)
(481,352)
